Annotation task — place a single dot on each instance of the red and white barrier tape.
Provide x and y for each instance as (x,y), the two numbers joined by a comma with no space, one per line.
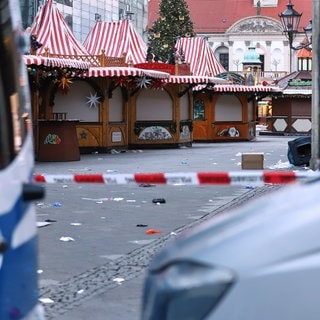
(252,178)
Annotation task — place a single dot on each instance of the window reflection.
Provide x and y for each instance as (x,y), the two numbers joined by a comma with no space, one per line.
(198,109)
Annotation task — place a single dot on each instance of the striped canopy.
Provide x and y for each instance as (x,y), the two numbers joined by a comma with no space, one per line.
(200,56)
(55,62)
(242,88)
(53,32)
(196,80)
(124,72)
(116,38)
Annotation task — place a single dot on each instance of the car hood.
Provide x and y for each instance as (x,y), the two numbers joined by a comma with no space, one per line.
(276,227)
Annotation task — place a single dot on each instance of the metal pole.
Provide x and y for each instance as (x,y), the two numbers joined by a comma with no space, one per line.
(315,146)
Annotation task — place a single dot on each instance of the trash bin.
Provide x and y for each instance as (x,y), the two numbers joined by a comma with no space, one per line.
(58,141)
(299,151)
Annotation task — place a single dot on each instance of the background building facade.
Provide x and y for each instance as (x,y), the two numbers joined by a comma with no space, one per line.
(81,15)
(230,26)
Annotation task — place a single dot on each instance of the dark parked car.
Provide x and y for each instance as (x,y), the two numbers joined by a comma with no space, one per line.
(258,262)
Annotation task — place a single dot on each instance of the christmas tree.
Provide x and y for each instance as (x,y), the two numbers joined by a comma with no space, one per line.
(173,22)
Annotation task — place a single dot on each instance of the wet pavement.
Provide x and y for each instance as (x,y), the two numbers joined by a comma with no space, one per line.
(95,250)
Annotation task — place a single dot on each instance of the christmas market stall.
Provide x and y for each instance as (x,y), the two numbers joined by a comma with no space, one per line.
(227,112)
(291,108)
(223,111)
(55,134)
(163,116)
(70,85)
(153,110)
(54,61)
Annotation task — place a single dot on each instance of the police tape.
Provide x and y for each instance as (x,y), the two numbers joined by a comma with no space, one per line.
(252,178)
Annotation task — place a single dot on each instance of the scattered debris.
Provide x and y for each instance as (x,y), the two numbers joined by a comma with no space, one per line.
(57,204)
(46,300)
(146,185)
(66,239)
(141,242)
(153,231)
(41,224)
(118,280)
(159,200)
(282,165)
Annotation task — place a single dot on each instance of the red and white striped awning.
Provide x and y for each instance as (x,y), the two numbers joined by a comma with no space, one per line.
(200,56)
(195,80)
(116,38)
(241,88)
(302,92)
(124,71)
(53,32)
(55,62)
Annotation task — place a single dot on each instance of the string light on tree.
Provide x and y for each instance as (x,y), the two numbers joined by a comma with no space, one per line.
(174,21)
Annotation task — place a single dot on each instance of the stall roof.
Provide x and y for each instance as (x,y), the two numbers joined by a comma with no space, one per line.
(116,38)
(53,32)
(195,80)
(298,83)
(200,56)
(55,62)
(302,92)
(242,88)
(125,71)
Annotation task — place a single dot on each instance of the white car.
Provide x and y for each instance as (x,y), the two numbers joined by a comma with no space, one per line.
(258,262)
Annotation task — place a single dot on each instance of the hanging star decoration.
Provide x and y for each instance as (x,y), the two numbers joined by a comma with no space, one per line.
(64,84)
(143,82)
(132,84)
(122,81)
(157,84)
(93,100)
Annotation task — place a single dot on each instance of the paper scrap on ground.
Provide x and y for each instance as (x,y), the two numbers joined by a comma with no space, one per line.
(46,300)
(66,239)
(118,280)
(41,224)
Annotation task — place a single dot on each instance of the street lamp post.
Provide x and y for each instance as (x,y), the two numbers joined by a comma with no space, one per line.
(290,20)
(315,137)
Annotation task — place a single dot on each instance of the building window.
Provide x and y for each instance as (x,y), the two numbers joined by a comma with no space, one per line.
(68,19)
(224,60)
(261,57)
(65,2)
(305,64)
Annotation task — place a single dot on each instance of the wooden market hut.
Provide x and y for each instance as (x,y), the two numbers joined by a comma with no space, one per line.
(227,112)
(223,111)
(291,108)
(158,107)
(74,87)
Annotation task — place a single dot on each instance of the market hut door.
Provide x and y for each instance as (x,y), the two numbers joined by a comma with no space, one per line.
(202,115)
(117,133)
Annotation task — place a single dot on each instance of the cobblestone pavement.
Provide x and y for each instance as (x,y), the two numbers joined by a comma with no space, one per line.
(97,291)
(82,287)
